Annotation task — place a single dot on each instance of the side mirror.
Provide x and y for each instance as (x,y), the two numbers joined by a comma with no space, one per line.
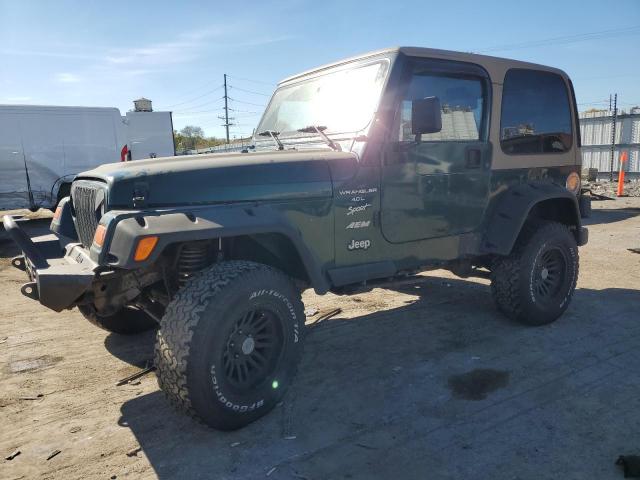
(426,116)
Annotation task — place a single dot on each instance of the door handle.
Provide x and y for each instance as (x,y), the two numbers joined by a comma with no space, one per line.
(473,158)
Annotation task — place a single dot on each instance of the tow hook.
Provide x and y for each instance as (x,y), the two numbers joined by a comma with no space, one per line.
(19,263)
(30,290)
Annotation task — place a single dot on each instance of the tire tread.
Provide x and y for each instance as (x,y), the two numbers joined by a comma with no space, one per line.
(181,318)
(506,271)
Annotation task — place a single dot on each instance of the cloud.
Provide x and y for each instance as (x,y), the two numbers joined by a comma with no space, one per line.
(257,41)
(66,77)
(88,73)
(153,55)
(188,46)
(184,48)
(46,54)
(17,99)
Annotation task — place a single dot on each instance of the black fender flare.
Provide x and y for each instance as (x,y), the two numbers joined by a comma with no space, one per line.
(200,223)
(513,206)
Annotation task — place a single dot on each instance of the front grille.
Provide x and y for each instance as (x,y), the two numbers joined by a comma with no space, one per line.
(87,199)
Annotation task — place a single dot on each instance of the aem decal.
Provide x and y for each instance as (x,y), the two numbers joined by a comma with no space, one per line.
(359,224)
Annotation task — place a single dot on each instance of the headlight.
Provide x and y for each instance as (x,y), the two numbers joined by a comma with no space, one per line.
(573,183)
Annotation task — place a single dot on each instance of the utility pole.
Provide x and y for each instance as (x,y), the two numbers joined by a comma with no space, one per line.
(226,123)
(613,133)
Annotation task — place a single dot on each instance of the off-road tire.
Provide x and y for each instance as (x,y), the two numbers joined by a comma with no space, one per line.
(127,321)
(195,337)
(584,204)
(515,278)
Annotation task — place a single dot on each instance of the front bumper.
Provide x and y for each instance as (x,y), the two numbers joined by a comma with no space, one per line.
(58,275)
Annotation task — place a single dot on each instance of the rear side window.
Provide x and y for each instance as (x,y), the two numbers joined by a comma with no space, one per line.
(536,114)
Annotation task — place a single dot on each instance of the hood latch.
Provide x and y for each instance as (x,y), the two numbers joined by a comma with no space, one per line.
(140,194)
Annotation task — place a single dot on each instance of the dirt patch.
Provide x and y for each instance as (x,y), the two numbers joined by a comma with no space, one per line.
(31,364)
(372,397)
(478,383)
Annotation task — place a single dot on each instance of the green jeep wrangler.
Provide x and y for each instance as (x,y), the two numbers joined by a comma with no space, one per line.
(371,168)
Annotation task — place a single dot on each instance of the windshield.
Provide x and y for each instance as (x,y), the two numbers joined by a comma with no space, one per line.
(342,100)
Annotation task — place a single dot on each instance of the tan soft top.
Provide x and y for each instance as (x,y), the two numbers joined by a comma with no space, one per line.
(496,66)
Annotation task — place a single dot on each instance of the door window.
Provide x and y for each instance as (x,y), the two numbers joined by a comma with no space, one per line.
(536,116)
(462,100)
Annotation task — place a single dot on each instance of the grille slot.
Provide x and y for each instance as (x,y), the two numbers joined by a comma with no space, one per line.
(87,204)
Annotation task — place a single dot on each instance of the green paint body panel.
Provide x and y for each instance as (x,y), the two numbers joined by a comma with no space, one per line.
(377,209)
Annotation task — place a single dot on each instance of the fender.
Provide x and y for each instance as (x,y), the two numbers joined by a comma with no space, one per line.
(512,208)
(200,223)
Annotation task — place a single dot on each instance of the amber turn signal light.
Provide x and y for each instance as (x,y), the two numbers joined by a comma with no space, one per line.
(573,182)
(98,237)
(144,248)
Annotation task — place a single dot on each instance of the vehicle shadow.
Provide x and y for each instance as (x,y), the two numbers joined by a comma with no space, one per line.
(374,395)
(606,215)
(134,349)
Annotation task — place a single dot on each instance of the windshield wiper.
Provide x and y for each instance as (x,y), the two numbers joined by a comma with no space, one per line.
(274,135)
(320,131)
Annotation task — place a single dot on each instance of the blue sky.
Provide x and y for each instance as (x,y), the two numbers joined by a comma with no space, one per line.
(108,53)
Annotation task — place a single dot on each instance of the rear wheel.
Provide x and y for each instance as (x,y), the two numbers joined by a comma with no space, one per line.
(127,321)
(229,343)
(535,283)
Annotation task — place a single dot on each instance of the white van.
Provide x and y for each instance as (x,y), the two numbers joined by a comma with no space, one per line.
(43,148)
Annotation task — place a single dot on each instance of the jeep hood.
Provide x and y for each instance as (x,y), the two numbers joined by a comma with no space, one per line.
(222,178)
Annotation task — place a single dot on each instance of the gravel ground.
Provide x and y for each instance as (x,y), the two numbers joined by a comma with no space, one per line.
(631,189)
(417,380)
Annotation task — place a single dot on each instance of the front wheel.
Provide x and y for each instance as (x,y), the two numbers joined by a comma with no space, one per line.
(535,283)
(229,343)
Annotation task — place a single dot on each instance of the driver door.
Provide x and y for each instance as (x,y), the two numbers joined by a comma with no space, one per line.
(437,184)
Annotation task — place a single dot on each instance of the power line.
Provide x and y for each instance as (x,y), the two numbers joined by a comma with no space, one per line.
(249,115)
(241,111)
(179,112)
(246,103)
(634,30)
(195,98)
(190,109)
(194,90)
(252,81)
(599,77)
(597,102)
(593,103)
(251,91)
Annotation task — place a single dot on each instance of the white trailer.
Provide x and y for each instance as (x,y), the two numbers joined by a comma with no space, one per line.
(149,135)
(42,148)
